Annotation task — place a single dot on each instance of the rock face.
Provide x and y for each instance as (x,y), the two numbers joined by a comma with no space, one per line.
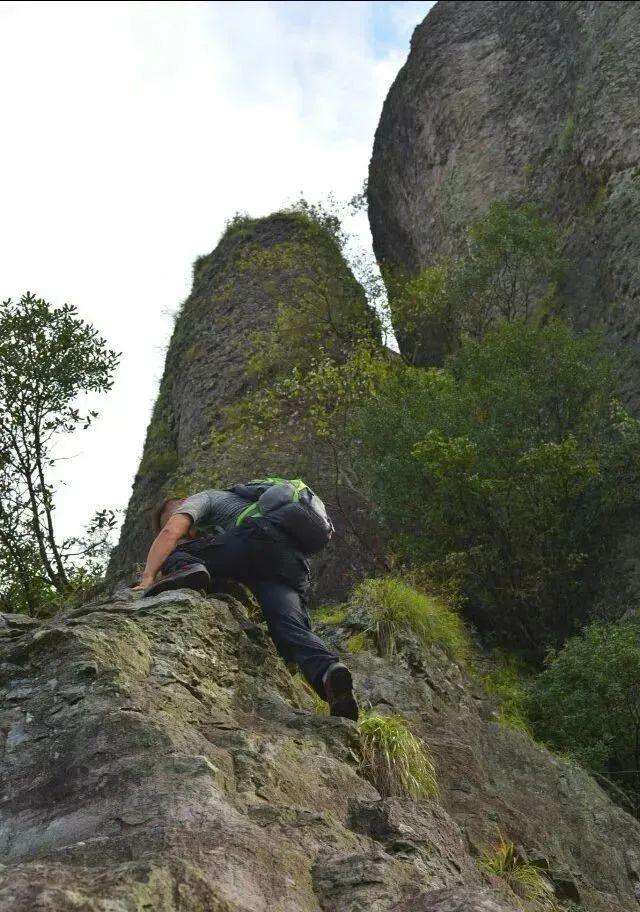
(534,101)
(157,755)
(259,267)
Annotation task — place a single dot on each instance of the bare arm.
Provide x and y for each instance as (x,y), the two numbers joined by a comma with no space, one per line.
(166,540)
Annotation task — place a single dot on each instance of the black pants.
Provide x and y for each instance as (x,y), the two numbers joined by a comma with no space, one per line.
(265,560)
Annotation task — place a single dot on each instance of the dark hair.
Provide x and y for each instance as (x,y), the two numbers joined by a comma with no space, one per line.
(156,516)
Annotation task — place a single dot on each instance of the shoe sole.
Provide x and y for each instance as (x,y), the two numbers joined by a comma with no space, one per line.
(190,579)
(343,702)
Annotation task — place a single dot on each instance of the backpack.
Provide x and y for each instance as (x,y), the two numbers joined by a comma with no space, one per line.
(291,505)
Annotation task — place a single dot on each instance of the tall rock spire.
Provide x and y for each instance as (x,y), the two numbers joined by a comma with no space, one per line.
(261,268)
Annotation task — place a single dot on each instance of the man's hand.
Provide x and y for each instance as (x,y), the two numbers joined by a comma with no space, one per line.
(176,528)
(144,583)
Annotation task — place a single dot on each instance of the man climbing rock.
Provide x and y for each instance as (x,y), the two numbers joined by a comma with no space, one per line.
(258,534)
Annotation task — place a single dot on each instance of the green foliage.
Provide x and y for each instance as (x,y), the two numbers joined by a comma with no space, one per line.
(526,881)
(597,202)
(528,170)
(505,472)
(395,607)
(358,643)
(198,267)
(321,310)
(504,679)
(329,614)
(298,424)
(587,701)
(568,132)
(162,462)
(509,272)
(49,359)
(394,760)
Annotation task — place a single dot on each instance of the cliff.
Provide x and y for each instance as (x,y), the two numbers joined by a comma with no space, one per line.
(532,101)
(286,269)
(157,755)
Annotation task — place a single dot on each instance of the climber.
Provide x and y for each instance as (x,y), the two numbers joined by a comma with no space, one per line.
(205,536)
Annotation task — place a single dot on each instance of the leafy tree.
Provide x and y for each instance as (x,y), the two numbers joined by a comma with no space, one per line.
(507,471)
(48,357)
(509,271)
(587,701)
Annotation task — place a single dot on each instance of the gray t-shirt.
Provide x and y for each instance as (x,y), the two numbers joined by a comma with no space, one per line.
(213,510)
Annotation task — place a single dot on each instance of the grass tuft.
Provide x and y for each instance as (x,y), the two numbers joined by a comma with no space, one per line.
(396,606)
(394,760)
(527,881)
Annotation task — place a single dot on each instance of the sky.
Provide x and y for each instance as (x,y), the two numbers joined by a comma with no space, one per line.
(133,131)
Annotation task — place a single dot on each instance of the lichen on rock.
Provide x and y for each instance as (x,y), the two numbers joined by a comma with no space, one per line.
(157,754)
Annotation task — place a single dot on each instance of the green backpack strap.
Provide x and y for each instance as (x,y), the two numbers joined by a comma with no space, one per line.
(252,510)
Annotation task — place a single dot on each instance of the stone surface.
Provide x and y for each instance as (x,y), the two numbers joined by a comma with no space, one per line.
(495,781)
(258,267)
(537,101)
(451,901)
(154,756)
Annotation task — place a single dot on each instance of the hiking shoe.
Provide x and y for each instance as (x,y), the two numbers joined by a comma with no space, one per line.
(338,689)
(191,576)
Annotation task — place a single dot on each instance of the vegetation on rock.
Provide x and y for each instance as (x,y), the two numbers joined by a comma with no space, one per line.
(509,271)
(525,879)
(508,471)
(396,607)
(394,759)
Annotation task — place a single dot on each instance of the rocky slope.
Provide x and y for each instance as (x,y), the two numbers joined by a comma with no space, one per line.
(535,101)
(260,269)
(157,755)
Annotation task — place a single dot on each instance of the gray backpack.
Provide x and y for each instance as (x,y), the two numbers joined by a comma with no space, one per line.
(292,506)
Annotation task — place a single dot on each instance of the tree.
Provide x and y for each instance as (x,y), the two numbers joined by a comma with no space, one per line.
(508,470)
(48,357)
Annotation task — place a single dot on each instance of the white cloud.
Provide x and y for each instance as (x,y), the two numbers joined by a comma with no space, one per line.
(132,131)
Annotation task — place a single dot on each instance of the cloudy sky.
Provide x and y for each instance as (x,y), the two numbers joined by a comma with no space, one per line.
(133,131)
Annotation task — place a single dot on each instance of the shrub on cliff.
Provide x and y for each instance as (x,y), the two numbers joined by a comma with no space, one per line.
(509,271)
(587,701)
(506,471)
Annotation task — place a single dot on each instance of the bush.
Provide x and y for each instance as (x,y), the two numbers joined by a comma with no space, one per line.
(396,606)
(587,701)
(394,760)
(506,471)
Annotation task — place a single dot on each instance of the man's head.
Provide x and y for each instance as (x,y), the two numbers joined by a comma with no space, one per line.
(164,510)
